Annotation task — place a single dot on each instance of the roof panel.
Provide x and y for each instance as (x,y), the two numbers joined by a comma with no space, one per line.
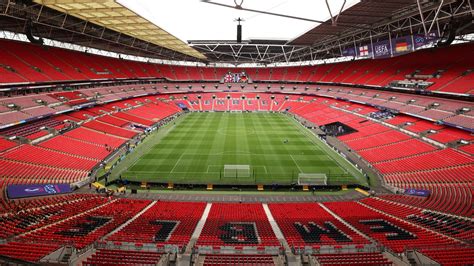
(113,15)
(364,14)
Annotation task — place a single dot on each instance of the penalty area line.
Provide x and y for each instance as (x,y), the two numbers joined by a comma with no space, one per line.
(176,163)
(299,168)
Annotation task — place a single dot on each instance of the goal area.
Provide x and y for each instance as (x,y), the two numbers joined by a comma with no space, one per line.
(312,179)
(236,170)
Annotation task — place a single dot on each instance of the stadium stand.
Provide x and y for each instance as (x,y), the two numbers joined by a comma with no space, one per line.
(361,258)
(25,172)
(164,223)
(308,224)
(27,129)
(86,227)
(451,256)
(450,198)
(428,161)
(95,137)
(395,234)
(122,257)
(110,129)
(235,224)
(6,144)
(264,260)
(389,69)
(37,213)
(46,157)
(64,114)
(31,252)
(76,147)
(457,227)
(113,121)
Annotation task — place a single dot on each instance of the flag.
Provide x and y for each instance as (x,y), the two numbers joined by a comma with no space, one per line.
(236,77)
(401,46)
(364,50)
(228,78)
(243,77)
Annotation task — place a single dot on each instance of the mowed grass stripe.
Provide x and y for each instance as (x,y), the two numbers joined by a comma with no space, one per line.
(203,141)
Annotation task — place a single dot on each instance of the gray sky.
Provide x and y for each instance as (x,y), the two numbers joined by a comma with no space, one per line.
(195,20)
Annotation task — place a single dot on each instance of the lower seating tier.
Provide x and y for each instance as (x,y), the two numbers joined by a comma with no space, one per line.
(231,259)
(361,258)
(122,257)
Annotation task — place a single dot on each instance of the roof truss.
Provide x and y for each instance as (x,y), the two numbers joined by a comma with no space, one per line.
(112,15)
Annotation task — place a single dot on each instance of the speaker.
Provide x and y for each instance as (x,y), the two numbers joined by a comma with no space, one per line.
(239,33)
(452,28)
(29,34)
(134,191)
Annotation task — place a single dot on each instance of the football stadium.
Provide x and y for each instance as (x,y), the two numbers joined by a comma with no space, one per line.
(236,132)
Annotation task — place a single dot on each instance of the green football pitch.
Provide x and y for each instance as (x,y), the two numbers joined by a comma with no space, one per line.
(274,146)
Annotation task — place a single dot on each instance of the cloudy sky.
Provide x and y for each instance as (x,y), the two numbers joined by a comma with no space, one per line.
(195,20)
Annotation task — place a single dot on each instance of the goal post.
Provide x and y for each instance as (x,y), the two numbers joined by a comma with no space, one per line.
(236,170)
(312,179)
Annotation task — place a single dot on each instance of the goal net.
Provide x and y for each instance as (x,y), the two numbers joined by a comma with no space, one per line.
(312,179)
(236,170)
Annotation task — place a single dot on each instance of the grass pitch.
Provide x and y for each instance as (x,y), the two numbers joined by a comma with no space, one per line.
(196,149)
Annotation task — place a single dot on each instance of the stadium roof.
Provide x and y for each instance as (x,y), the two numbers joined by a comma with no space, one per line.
(109,26)
(113,15)
(361,16)
(365,22)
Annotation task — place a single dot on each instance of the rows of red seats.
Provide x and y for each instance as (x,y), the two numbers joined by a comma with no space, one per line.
(6,144)
(91,217)
(79,66)
(76,147)
(403,161)
(122,257)
(110,129)
(28,216)
(447,135)
(25,204)
(95,137)
(431,108)
(360,258)
(154,112)
(163,223)
(395,150)
(41,156)
(307,215)
(449,175)
(230,215)
(70,97)
(454,198)
(368,222)
(232,259)
(451,256)
(468,148)
(26,129)
(13,172)
(113,120)
(378,140)
(133,118)
(428,161)
(89,226)
(364,130)
(449,225)
(32,252)
(400,102)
